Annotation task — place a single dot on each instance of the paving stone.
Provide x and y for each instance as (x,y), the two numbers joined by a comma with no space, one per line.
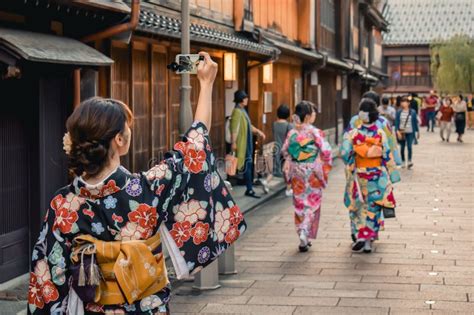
(376,286)
(408,280)
(340,310)
(410,295)
(213,308)
(334,293)
(293,300)
(398,303)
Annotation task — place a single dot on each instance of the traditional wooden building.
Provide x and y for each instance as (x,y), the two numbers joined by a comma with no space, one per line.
(414,25)
(38,57)
(55,53)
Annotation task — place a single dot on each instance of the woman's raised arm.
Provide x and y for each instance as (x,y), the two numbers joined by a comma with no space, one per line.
(207,70)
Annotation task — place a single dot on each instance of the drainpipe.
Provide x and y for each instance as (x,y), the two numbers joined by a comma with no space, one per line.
(117,29)
(108,32)
(185,111)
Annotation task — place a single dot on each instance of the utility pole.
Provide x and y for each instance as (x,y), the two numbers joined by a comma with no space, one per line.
(185,110)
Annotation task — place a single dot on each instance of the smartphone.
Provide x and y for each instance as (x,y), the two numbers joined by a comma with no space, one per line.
(187,63)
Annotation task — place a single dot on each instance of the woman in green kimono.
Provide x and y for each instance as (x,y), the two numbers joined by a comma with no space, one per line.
(242,144)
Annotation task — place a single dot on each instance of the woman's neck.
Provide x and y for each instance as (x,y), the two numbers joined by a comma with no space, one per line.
(111,166)
(281,120)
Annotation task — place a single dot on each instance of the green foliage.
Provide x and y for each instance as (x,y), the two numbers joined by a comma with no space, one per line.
(452,65)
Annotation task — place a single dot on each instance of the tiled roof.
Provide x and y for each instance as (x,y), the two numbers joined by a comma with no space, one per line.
(419,22)
(152,22)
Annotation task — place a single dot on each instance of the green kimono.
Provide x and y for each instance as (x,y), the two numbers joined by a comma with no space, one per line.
(239,125)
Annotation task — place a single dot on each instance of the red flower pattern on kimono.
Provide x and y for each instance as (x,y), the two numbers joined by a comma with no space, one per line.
(145,216)
(49,292)
(366,233)
(117,218)
(64,220)
(89,213)
(200,232)
(232,235)
(297,184)
(181,232)
(236,215)
(194,160)
(35,296)
(109,188)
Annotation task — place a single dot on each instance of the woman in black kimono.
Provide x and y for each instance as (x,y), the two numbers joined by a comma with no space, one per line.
(120,218)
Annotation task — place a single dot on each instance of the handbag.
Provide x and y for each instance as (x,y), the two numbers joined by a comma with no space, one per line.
(86,276)
(388,213)
(231,162)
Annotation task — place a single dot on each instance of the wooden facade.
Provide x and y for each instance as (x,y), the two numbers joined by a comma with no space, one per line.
(327,36)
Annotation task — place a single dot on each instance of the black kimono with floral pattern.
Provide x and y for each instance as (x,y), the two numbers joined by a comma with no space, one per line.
(184,192)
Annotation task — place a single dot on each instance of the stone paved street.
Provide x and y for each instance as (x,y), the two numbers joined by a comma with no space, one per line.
(423,263)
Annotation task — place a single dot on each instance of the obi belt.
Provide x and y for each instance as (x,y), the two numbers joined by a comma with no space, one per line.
(129,270)
(302,150)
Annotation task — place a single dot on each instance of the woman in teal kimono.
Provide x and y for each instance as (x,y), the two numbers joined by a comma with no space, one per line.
(370,172)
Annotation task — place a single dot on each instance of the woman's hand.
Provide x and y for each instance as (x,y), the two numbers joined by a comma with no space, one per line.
(206,70)
(262,135)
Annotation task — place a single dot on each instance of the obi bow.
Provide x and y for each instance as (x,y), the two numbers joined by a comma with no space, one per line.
(303,150)
(129,270)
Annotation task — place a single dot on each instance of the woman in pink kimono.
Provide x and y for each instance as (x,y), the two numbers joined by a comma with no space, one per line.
(308,160)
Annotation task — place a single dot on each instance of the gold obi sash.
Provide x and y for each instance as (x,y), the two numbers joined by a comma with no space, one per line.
(129,270)
(364,162)
(362,149)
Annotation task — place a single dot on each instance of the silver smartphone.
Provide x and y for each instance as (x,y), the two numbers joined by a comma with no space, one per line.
(187,63)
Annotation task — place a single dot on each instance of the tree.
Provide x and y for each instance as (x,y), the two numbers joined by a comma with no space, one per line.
(452,64)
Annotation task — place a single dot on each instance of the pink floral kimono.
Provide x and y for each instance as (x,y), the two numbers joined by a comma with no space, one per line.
(310,159)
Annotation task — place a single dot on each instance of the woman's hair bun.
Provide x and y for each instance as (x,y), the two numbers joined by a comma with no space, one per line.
(91,127)
(88,156)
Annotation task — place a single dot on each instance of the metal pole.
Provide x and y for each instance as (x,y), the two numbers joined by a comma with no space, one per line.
(185,111)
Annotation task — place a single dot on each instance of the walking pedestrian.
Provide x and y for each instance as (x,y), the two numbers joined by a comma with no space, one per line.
(470,111)
(308,161)
(280,127)
(406,126)
(242,142)
(460,109)
(100,246)
(381,123)
(386,110)
(445,115)
(430,112)
(370,172)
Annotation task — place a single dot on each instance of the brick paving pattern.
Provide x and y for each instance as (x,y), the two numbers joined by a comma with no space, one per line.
(422,264)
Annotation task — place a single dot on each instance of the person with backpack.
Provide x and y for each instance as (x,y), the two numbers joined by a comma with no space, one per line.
(242,130)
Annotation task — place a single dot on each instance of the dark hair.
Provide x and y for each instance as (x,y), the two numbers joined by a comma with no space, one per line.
(92,125)
(369,106)
(373,96)
(404,98)
(283,111)
(303,109)
(385,101)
